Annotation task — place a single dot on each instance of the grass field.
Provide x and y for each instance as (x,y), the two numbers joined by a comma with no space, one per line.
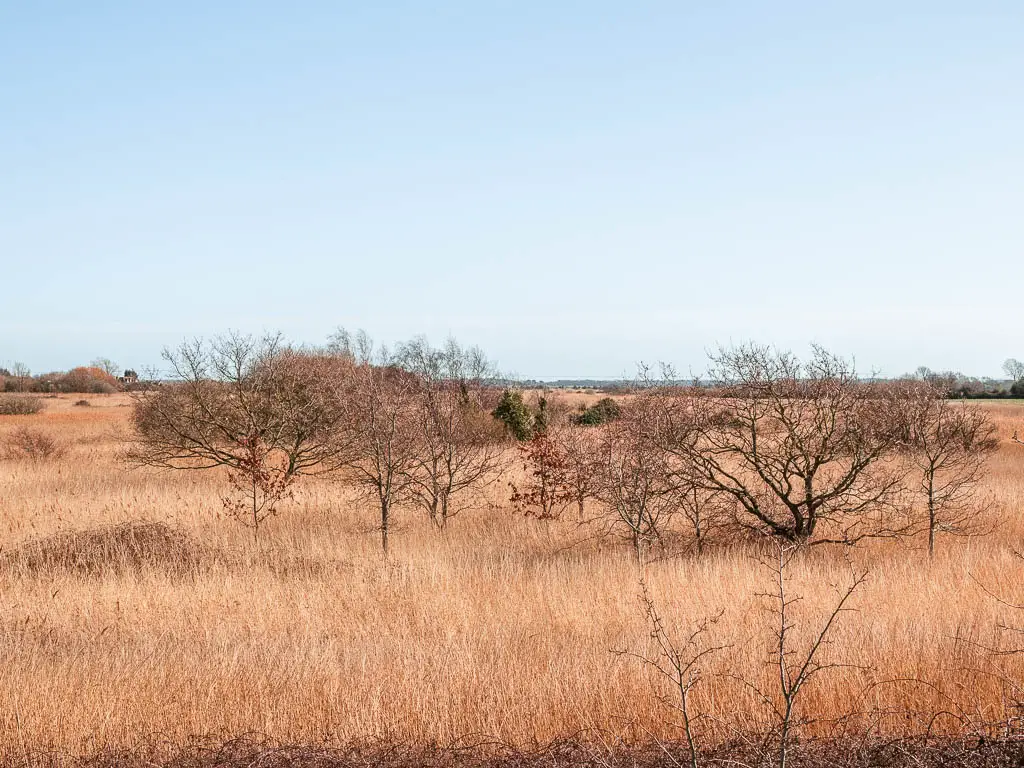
(501,628)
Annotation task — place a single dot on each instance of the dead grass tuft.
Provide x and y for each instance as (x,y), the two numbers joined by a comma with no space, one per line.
(108,549)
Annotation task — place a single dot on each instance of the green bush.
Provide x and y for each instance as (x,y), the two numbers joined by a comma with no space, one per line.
(513,413)
(540,419)
(14,405)
(601,412)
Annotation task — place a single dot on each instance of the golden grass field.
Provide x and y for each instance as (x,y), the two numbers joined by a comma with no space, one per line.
(500,628)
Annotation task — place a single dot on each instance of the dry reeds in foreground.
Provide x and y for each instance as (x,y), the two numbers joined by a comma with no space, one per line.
(500,629)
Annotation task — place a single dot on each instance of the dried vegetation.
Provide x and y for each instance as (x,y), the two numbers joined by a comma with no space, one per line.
(122,640)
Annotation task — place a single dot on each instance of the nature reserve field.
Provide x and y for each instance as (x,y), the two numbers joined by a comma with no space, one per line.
(499,629)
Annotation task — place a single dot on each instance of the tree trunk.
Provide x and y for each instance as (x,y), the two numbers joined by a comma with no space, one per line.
(931,514)
(433,512)
(255,515)
(638,545)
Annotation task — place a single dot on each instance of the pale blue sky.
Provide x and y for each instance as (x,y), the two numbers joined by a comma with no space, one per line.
(574,186)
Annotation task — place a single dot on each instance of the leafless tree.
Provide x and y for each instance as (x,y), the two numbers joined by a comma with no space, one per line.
(794,668)
(22,377)
(635,484)
(803,448)
(708,512)
(679,664)
(356,347)
(949,445)
(253,406)
(460,447)
(379,434)
(106,365)
(1014,369)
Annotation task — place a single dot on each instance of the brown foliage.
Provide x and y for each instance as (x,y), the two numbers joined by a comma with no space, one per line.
(581,448)
(88,379)
(235,389)
(258,485)
(545,494)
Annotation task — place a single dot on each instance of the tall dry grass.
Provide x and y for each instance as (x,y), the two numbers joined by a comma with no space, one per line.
(501,627)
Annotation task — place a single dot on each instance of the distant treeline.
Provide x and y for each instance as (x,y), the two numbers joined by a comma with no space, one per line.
(957,385)
(92,379)
(102,376)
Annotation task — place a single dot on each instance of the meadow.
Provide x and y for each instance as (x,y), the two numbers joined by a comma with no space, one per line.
(499,629)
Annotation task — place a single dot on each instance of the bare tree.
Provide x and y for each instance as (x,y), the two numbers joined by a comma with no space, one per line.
(379,433)
(636,484)
(802,447)
(679,664)
(459,445)
(254,406)
(22,377)
(106,365)
(1014,369)
(793,668)
(949,445)
(708,512)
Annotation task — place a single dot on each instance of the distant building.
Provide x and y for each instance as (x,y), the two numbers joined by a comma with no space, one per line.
(130,377)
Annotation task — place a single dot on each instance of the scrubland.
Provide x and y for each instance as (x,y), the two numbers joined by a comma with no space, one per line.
(498,629)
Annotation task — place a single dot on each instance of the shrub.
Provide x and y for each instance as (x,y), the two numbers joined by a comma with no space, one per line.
(513,413)
(540,420)
(82,403)
(26,443)
(1017,390)
(13,405)
(601,412)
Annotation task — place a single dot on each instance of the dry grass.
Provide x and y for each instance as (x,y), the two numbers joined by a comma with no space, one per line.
(497,629)
(108,549)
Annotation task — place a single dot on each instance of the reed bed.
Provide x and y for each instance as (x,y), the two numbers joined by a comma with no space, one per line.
(132,608)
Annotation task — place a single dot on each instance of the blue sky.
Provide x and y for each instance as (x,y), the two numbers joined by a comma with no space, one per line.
(574,186)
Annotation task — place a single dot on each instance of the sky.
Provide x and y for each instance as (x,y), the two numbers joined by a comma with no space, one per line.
(573,186)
